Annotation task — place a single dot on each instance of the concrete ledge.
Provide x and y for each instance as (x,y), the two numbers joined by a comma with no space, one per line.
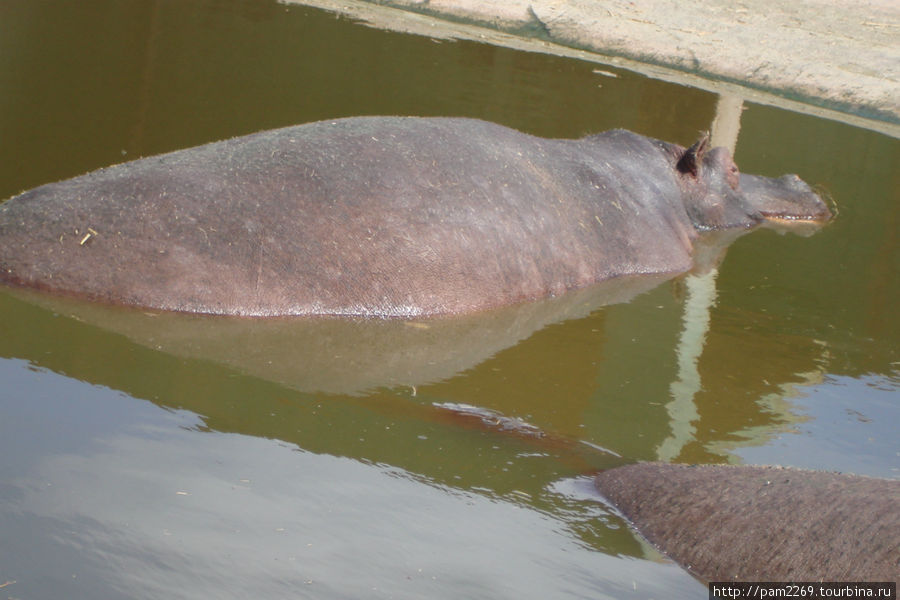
(825,57)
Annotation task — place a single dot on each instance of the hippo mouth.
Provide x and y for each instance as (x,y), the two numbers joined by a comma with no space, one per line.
(787,199)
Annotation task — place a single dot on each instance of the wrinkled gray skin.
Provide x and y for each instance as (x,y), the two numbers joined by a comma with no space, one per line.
(381,216)
(749,523)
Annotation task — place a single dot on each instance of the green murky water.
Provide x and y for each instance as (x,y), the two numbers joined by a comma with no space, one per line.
(154,456)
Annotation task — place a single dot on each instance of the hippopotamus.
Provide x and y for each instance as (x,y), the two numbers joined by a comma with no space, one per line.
(382,216)
(763,523)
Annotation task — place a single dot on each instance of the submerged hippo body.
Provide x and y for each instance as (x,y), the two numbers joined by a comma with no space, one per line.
(380,216)
(750,523)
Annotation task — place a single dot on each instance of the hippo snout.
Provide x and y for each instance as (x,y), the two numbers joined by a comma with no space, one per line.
(787,198)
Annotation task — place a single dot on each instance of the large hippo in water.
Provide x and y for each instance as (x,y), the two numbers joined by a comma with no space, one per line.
(382,216)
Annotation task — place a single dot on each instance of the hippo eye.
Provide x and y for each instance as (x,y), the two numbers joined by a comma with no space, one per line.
(733,177)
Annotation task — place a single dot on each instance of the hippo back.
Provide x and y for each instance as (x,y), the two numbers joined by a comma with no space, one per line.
(363,216)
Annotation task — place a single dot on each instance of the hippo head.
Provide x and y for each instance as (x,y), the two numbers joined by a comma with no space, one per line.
(718,196)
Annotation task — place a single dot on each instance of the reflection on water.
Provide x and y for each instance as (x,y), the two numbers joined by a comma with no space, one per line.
(345,355)
(701,295)
(160,457)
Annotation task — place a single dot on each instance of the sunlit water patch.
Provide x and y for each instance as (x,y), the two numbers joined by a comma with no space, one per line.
(846,424)
(116,498)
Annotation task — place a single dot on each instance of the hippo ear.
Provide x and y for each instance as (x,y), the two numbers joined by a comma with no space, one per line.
(692,158)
